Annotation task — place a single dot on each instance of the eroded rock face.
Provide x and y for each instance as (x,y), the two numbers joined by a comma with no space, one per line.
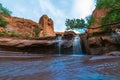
(39,46)
(69,35)
(99,45)
(23,43)
(98,15)
(21,25)
(26,27)
(47,25)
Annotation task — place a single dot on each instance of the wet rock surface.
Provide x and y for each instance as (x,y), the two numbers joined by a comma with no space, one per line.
(43,45)
(100,44)
(65,67)
(10,42)
(113,53)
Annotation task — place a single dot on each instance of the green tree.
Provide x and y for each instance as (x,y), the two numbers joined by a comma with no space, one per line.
(36,31)
(103,4)
(4,10)
(90,20)
(112,15)
(75,24)
(3,23)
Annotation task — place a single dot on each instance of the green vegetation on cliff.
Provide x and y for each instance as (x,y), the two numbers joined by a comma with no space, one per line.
(112,8)
(4,10)
(90,20)
(112,16)
(107,4)
(113,13)
(36,31)
(3,23)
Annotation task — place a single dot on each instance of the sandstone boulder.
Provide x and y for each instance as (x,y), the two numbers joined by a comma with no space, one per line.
(69,35)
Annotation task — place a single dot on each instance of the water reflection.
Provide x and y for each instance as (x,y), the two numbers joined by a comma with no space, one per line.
(58,68)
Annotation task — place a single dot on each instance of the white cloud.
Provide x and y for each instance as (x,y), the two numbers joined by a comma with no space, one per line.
(58,10)
(77,9)
(47,6)
(56,14)
(82,8)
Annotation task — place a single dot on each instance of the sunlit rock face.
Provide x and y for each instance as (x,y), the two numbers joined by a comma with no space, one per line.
(47,25)
(21,25)
(98,15)
(26,26)
(2,29)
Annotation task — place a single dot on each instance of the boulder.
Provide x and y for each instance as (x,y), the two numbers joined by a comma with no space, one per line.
(113,53)
(59,33)
(69,35)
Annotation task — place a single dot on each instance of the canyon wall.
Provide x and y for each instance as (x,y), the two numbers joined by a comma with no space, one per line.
(26,27)
(97,15)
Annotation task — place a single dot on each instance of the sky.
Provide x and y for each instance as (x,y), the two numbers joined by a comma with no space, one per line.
(58,10)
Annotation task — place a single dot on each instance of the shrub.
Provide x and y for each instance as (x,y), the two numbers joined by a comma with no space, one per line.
(27,35)
(44,33)
(90,20)
(14,34)
(3,33)
(3,23)
(36,31)
(4,10)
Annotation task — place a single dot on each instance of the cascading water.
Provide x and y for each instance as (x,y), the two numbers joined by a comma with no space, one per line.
(59,39)
(77,45)
(115,38)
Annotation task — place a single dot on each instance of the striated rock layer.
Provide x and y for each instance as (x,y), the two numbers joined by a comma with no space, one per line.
(47,25)
(26,27)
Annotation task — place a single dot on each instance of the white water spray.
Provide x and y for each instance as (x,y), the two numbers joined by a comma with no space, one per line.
(77,45)
(59,39)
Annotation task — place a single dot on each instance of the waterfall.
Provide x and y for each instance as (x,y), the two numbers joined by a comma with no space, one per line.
(77,45)
(115,37)
(59,39)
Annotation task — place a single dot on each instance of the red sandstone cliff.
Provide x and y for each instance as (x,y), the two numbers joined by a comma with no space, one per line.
(47,25)
(98,15)
(26,26)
